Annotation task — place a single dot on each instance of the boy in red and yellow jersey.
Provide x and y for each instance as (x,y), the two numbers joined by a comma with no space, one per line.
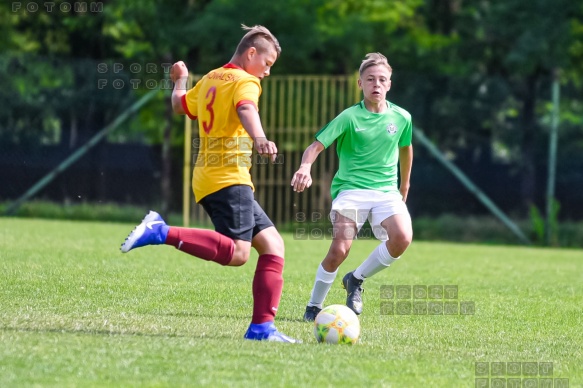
(225,102)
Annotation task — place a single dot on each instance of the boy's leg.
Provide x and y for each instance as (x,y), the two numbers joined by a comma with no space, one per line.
(268,278)
(203,243)
(348,214)
(267,281)
(322,284)
(231,211)
(378,260)
(344,230)
(389,213)
(398,228)
(400,231)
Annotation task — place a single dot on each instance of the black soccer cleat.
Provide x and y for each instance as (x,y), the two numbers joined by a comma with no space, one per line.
(354,292)
(311,313)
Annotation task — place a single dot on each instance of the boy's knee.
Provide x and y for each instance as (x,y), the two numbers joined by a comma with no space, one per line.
(275,245)
(269,241)
(278,244)
(406,240)
(240,257)
(340,251)
(397,245)
(336,255)
(403,238)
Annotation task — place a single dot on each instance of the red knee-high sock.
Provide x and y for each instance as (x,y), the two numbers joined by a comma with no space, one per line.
(267,287)
(206,244)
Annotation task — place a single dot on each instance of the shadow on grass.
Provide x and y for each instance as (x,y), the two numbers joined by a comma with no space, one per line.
(227,316)
(108,333)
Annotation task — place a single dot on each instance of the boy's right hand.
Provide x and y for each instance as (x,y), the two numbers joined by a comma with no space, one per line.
(266,148)
(179,75)
(178,71)
(302,179)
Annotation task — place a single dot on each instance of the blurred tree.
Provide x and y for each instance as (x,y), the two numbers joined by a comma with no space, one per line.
(474,74)
(317,37)
(521,44)
(153,36)
(484,86)
(46,57)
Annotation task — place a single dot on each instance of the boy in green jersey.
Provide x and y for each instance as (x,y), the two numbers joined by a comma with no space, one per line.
(374,146)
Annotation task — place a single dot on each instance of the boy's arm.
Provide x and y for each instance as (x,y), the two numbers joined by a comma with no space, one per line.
(406,164)
(302,179)
(179,75)
(252,123)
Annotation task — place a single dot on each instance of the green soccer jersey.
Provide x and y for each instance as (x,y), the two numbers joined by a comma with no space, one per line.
(367,146)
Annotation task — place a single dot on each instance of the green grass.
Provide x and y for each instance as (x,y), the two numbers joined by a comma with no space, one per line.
(75,312)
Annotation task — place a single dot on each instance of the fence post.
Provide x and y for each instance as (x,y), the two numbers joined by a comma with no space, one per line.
(553,138)
(419,135)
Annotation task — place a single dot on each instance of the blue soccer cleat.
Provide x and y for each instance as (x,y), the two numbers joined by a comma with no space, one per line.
(267,332)
(152,231)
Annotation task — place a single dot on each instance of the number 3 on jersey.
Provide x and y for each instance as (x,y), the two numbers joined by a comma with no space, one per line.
(208,125)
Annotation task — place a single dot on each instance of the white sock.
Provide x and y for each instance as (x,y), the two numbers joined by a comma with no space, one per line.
(324,280)
(379,259)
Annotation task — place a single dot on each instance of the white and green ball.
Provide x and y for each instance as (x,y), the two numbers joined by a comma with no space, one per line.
(337,324)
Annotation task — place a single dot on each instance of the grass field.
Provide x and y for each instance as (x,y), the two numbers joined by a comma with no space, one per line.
(75,312)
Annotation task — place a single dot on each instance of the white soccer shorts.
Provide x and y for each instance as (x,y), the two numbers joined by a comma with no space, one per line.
(374,205)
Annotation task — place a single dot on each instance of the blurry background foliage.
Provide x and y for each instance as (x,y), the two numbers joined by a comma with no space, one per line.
(476,77)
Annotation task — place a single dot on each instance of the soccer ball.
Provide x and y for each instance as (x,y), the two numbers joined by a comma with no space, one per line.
(337,324)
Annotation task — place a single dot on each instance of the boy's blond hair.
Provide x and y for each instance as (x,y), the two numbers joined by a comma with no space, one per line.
(374,59)
(260,38)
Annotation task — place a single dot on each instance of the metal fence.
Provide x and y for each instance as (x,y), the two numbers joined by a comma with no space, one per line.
(41,130)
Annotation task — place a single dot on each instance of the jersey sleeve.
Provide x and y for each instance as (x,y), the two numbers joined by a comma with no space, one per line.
(407,134)
(247,92)
(190,101)
(333,130)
